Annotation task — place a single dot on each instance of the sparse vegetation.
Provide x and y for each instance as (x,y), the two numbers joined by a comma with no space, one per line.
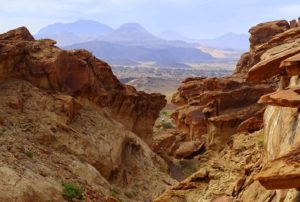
(41,40)
(115,194)
(72,191)
(165,113)
(29,154)
(260,140)
(129,193)
(167,125)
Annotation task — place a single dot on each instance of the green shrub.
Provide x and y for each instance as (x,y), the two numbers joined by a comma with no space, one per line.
(29,154)
(167,125)
(260,140)
(115,194)
(72,191)
(165,113)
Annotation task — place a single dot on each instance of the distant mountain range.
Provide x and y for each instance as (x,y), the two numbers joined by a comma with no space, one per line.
(132,44)
(70,33)
(228,41)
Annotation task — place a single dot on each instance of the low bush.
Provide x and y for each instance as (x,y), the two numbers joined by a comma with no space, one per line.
(72,191)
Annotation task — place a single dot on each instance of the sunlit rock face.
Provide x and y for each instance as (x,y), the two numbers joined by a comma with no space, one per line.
(65,118)
(79,74)
(282,126)
(281,118)
(273,60)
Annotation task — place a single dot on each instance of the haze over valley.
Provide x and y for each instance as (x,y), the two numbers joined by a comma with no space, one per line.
(134,52)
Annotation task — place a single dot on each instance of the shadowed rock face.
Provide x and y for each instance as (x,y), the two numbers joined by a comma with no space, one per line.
(65,118)
(273,61)
(77,73)
(216,107)
(219,107)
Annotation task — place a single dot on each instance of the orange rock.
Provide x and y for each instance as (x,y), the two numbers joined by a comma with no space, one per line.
(285,98)
(187,149)
(271,67)
(282,173)
(79,74)
(291,65)
(216,106)
(293,23)
(252,124)
(263,32)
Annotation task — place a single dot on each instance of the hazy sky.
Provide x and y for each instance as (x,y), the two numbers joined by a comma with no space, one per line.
(193,18)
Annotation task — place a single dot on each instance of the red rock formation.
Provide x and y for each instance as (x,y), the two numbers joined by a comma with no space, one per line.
(293,23)
(217,106)
(280,58)
(222,106)
(77,73)
(284,98)
(272,61)
(263,32)
(282,173)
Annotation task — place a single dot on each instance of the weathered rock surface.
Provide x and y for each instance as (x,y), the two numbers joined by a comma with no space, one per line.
(79,74)
(226,173)
(272,61)
(281,118)
(282,173)
(286,98)
(263,32)
(291,65)
(217,107)
(59,113)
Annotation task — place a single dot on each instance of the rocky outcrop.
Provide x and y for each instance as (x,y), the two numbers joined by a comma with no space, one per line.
(217,107)
(263,32)
(273,61)
(282,173)
(226,173)
(281,119)
(66,119)
(53,138)
(77,73)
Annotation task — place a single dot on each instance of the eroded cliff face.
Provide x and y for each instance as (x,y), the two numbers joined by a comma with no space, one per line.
(281,119)
(210,110)
(271,172)
(65,118)
(79,74)
(217,108)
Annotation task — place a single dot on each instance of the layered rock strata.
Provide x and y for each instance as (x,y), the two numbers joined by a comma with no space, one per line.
(273,60)
(66,119)
(77,73)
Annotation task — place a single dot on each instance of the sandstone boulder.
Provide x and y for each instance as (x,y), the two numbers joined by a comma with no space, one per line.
(281,173)
(285,98)
(187,149)
(265,31)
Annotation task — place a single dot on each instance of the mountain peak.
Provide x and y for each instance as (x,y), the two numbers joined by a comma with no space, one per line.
(132,26)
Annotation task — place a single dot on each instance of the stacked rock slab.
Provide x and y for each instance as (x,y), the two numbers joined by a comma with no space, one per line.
(216,107)
(273,60)
(219,107)
(281,118)
(79,74)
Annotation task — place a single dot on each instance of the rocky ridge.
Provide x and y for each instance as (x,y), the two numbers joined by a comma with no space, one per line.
(65,118)
(270,173)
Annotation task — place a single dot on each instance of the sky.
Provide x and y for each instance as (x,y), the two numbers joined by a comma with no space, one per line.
(197,19)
